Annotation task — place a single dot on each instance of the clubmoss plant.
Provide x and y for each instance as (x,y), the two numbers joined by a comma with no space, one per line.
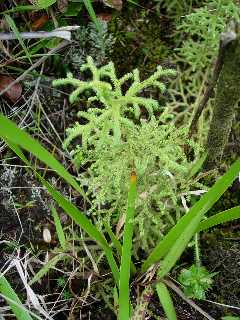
(118,136)
(203,28)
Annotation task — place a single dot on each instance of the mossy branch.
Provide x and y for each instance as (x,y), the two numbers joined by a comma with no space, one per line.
(227,97)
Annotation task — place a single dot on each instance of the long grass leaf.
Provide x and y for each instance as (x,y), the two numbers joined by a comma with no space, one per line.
(16,305)
(113,238)
(47,266)
(117,244)
(59,229)
(166,301)
(199,209)
(91,12)
(124,299)
(221,217)
(197,166)
(176,249)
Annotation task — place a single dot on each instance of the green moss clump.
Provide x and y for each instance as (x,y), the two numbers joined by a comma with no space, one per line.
(140,40)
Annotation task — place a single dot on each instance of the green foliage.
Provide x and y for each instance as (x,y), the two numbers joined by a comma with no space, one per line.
(203,28)
(117,137)
(173,244)
(196,281)
(221,217)
(47,267)
(61,284)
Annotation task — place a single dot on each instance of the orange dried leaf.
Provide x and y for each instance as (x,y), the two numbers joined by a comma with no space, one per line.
(40,22)
(15,92)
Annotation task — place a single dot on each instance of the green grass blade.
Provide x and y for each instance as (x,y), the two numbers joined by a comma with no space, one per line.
(113,238)
(197,166)
(16,305)
(124,299)
(91,12)
(176,249)
(9,131)
(166,301)
(199,209)
(221,217)
(59,229)
(117,244)
(45,269)
(14,28)
(74,213)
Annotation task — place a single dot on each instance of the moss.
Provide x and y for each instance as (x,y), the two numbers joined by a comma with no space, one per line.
(141,40)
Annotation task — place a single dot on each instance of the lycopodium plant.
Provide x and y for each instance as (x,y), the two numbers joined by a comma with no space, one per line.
(113,116)
(167,251)
(203,28)
(119,131)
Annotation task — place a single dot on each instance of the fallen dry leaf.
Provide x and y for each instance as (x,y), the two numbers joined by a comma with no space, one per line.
(15,92)
(40,22)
